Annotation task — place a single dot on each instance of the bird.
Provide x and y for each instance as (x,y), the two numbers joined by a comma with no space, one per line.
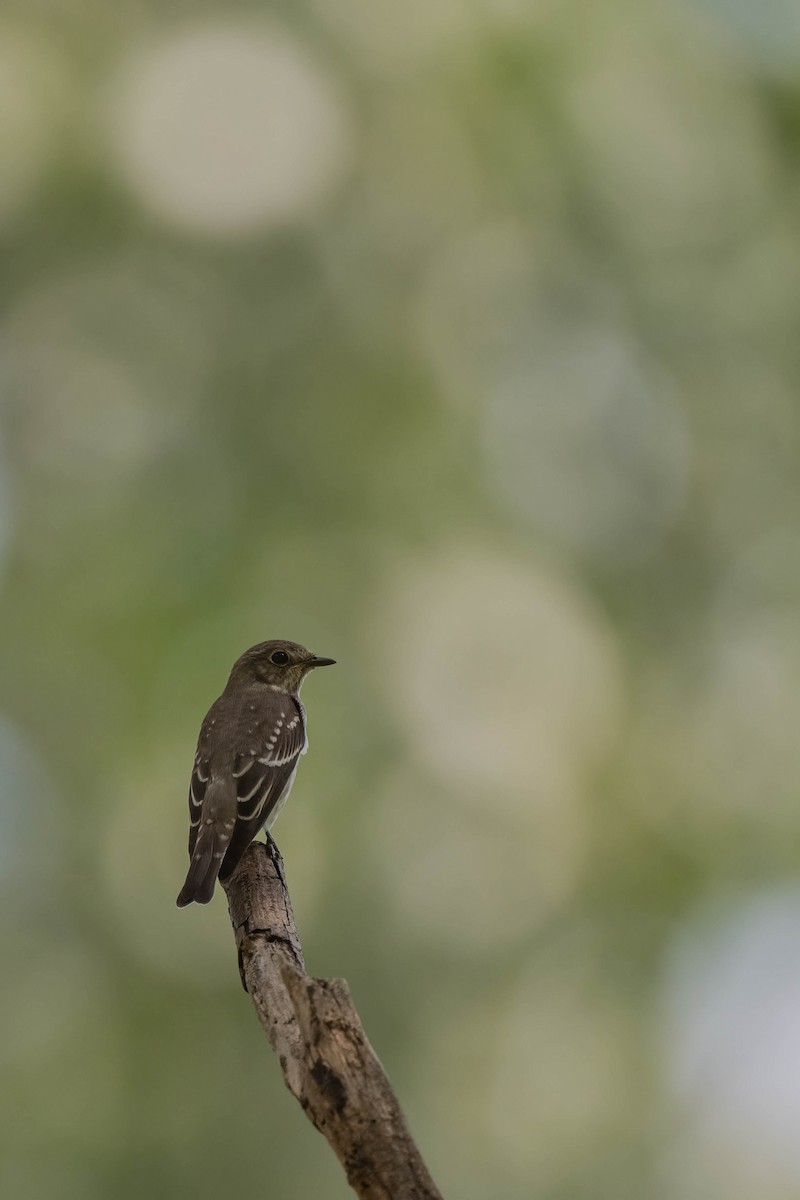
(249,746)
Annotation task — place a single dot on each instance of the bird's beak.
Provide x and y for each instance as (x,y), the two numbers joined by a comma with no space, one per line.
(316,661)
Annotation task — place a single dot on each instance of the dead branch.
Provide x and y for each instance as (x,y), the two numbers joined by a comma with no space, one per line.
(316,1032)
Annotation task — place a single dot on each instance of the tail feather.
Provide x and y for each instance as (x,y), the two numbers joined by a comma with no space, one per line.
(217,821)
(202,873)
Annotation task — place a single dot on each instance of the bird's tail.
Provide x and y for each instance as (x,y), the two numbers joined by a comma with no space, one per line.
(202,873)
(214,834)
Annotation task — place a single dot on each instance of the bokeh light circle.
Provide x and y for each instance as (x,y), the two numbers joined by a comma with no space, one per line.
(731,1045)
(501,672)
(223,129)
(441,856)
(584,439)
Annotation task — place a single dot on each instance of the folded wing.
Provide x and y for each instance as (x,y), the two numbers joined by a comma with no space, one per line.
(263,775)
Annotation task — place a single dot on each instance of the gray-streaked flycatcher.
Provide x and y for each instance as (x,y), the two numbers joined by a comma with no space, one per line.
(247,754)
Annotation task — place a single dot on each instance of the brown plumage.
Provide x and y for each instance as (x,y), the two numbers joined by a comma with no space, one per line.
(247,754)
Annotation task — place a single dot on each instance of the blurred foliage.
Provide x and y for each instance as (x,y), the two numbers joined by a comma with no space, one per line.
(458,342)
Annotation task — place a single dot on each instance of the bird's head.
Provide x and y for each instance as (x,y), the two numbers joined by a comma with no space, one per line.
(279,664)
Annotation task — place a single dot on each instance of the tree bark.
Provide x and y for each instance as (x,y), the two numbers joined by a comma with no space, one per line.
(316,1032)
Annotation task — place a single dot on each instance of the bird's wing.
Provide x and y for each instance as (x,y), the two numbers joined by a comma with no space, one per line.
(197,793)
(262,773)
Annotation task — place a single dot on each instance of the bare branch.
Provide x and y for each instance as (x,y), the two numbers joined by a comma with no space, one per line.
(314,1028)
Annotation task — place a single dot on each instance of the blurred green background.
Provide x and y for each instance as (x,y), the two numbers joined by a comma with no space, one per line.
(458,341)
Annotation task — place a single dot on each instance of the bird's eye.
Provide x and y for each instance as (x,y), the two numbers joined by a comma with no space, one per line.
(280,658)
